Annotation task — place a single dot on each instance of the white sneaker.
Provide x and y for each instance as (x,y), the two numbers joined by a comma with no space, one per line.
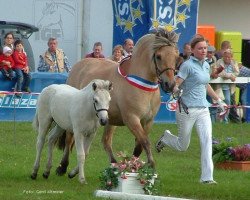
(160,144)
(210,182)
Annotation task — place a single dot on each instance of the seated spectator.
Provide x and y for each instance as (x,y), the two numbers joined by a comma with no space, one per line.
(117,53)
(97,51)
(7,63)
(128,47)
(8,41)
(54,59)
(21,68)
(186,51)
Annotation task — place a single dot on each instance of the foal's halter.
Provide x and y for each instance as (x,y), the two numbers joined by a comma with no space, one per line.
(158,71)
(98,110)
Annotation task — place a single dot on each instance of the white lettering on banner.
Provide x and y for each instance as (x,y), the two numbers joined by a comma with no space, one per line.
(123,8)
(167,11)
(26,101)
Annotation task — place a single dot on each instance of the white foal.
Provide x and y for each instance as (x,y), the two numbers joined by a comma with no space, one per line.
(78,111)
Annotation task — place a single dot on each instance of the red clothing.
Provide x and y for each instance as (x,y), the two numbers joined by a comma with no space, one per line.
(20,59)
(91,55)
(6,58)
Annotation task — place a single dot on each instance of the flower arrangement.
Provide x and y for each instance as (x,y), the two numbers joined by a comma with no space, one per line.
(230,150)
(109,177)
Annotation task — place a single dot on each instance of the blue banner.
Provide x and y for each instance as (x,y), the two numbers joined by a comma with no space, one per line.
(135,18)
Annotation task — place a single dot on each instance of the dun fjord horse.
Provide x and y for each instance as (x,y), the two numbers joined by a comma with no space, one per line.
(77,111)
(135,98)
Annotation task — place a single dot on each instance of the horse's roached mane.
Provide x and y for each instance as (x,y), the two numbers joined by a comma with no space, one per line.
(165,38)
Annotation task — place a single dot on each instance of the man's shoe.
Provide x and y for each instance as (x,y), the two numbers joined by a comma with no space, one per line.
(27,89)
(18,95)
(159,144)
(210,182)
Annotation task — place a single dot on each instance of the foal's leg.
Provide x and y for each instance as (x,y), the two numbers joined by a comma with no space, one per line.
(107,141)
(53,135)
(79,139)
(69,141)
(86,145)
(43,129)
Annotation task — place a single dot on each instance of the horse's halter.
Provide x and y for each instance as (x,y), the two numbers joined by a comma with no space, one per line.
(158,71)
(98,110)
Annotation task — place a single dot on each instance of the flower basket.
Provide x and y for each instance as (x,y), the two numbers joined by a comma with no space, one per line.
(229,155)
(131,184)
(130,175)
(234,165)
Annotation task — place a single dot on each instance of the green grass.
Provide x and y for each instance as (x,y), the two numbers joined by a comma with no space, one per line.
(178,172)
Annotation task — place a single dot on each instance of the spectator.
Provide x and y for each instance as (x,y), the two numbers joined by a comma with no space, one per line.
(230,71)
(21,68)
(224,46)
(54,59)
(244,72)
(186,51)
(211,59)
(97,51)
(117,53)
(7,63)
(8,41)
(128,47)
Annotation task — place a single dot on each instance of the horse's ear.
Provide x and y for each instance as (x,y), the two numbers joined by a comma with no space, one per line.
(94,86)
(110,86)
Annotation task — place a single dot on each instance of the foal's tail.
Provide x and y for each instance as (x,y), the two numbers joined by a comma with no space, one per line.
(35,122)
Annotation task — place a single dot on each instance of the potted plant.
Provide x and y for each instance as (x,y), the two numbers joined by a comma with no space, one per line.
(229,154)
(130,175)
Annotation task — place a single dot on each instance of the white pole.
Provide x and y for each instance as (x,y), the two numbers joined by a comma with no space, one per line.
(127,196)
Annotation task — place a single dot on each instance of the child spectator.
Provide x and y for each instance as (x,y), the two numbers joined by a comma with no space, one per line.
(7,63)
(21,68)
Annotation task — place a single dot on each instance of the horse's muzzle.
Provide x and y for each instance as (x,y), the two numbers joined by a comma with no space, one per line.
(167,87)
(103,122)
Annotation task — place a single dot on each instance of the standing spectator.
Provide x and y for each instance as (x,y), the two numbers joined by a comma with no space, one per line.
(21,68)
(186,51)
(224,46)
(128,47)
(244,72)
(7,63)
(193,78)
(211,59)
(230,71)
(54,59)
(117,53)
(97,51)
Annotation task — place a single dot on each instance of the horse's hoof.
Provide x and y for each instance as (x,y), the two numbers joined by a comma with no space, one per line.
(71,175)
(60,170)
(33,176)
(46,175)
(83,181)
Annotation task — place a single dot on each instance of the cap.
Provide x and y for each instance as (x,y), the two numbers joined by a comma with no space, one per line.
(211,48)
(6,49)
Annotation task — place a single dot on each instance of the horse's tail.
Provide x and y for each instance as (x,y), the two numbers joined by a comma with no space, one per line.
(61,141)
(35,122)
